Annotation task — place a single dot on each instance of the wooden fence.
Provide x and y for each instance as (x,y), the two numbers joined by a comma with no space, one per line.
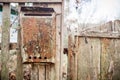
(95,54)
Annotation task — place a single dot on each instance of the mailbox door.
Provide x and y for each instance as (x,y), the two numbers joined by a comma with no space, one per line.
(38,37)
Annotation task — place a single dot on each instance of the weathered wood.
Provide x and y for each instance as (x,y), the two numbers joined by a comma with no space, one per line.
(107,54)
(62,41)
(49,75)
(5,41)
(110,59)
(57,55)
(19,74)
(84,60)
(88,59)
(41,72)
(99,35)
(117,26)
(116,61)
(22,1)
(74,53)
(45,72)
(95,58)
(35,72)
(52,72)
(107,30)
(98,53)
(12,46)
(107,27)
(71,59)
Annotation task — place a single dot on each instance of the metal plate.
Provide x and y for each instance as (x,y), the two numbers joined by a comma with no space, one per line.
(38,37)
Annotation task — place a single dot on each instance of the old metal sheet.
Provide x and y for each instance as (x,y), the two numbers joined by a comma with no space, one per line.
(37,9)
(38,37)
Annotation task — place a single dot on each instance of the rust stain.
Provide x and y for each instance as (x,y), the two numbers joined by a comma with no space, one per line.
(105,45)
(106,42)
(38,37)
(88,77)
(105,54)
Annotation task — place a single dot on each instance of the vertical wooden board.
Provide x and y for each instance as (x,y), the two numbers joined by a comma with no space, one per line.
(64,66)
(88,59)
(107,27)
(84,62)
(69,58)
(111,58)
(57,55)
(83,54)
(52,73)
(41,72)
(72,58)
(35,72)
(5,41)
(75,51)
(19,71)
(107,57)
(117,25)
(104,58)
(48,72)
(71,65)
(95,58)
(116,72)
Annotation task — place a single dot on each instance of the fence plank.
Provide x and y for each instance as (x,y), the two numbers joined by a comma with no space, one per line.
(70,59)
(116,66)
(95,59)
(19,74)
(84,60)
(88,66)
(100,35)
(107,51)
(5,41)
(35,72)
(48,72)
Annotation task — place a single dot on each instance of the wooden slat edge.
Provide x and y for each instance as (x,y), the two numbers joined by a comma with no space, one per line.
(99,35)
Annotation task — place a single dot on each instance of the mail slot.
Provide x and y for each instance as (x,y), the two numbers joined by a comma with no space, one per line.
(38,34)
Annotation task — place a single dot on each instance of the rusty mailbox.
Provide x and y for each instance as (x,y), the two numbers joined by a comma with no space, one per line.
(38,34)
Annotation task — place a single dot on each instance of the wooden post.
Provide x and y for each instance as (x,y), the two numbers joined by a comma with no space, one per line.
(61,41)
(5,41)
(19,55)
(71,60)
